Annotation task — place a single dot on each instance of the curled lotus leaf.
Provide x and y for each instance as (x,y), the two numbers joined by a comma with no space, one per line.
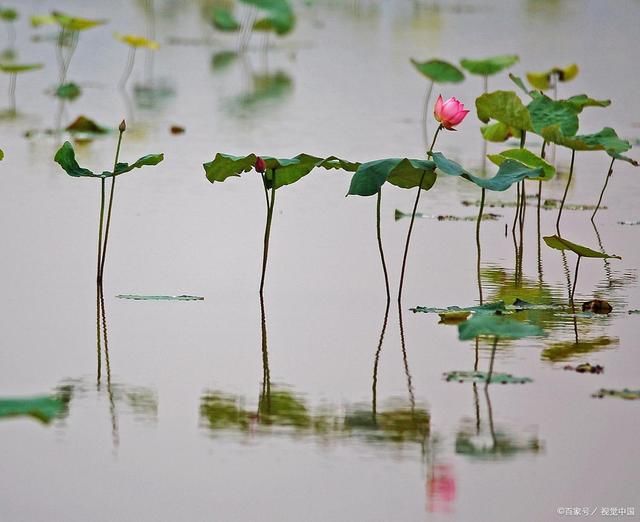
(439,71)
(542,80)
(499,132)
(527,158)
(560,243)
(489,66)
(505,107)
(401,172)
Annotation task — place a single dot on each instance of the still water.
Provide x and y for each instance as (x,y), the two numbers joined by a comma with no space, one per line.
(182,417)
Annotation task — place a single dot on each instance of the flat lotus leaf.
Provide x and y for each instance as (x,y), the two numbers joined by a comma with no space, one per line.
(498,132)
(15,68)
(496,325)
(542,80)
(279,14)
(509,172)
(223,20)
(527,158)
(43,408)
(562,244)
(68,91)
(606,139)
(66,158)
(489,66)
(137,41)
(137,297)
(505,107)
(8,14)
(625,393)
(489,307)
(439,71)
(546,112)
(568,350)
(72,23)
(401,172)
(478,377)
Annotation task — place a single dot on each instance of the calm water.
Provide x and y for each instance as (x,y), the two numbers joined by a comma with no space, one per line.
(177,424)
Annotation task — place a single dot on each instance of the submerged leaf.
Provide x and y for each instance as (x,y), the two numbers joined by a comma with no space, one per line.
(489,66)
(439,71)
(562,244)
(567,350)
(43,408)
(402,172)
(505,107)
(482,377)
(496,325)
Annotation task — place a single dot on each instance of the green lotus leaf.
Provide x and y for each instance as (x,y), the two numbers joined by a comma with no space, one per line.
(66,158)
(606,139)
(68,91)
(223,20)
(1,154)
(489,66)
(38,20)
(43,408)
(332,162)
(498,132)
(401,172)
(626,394)
(483,377)
(568,350)
(509,172)
(489,307)
(580,101)
(439,71)
(71,23)
(545,112)
(288,171)
(224,166)
(15,68)
(525,157)
(496,325)
(8,14)
(518,81)
(559,243)
(279,14)
(221,60)
(505,107)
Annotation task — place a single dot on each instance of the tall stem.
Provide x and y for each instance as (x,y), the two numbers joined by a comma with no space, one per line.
(604,187)
(382,260)
(566,190)
(478,244)
(493,356)
(425,113)
(12,93)
(127,68)
(575,280)
(113,184)
(267,230)
(100,228)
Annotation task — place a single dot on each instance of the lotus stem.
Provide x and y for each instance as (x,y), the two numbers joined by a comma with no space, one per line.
(100,228)
(493,356)
(575,280)
(425,113)
(374,384)
(382,260)
(128,68)
(98,339)
(478,244)
(485,83)
(121,129)
(267,230)
(12,93)
(604,187)
(566,190)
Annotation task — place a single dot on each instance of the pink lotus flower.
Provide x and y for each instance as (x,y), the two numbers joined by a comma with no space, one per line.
(261,166)
(449,113)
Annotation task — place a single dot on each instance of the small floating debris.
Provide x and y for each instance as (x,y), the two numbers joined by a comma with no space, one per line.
(585,368)
(481,377)
(176,129)
(626,394)
(447,217)
(597,306)
(629,222)
(547,204)
(160,297)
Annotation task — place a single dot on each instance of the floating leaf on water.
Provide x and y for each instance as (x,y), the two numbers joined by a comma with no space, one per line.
(489,66)
(542,80)
(222,59)
(489,307)
(505,107)
(401,172)
(597,306)
(567,350)
(488,216)
(439,71)
(585,368)
(266,87)
(137,297)
(43,408)
(223,20)
(69,91)
(559,243)
(478,377)
(72,23)
(496,325)
(525,157)
(137,41)
(626,394)
(15,68)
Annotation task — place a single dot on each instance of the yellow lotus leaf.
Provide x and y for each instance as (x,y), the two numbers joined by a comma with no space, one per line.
(137,41)
(72,23)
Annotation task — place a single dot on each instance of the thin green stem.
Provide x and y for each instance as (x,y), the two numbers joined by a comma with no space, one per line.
(127,68)
(478,244)
(566,190)
(267,231)
(604,187)
(12,93)
(379,236)
(100,228)
(113,185)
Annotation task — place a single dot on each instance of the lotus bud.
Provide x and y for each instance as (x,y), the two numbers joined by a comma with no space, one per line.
(260,166)
(449,113)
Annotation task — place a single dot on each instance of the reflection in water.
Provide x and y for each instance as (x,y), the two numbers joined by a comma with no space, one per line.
(265,88)
(575,349)
(44,408)
(441,489)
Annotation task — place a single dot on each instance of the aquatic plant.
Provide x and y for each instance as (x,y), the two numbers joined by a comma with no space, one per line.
(489,66)
(13,69)
(9,15)
(549,79)
(65,157)
(134,42)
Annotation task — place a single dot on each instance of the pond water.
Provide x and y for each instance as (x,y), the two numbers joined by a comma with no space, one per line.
(174,419)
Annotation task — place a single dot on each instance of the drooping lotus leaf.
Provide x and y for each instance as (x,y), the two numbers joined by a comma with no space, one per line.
(488,307)
(526,157)
(401,172)
(223,20)
(509,172)
(136,297)
(439,71)
(489,66)
(626,394)
(499,132)
(8,14)
(137,41)
(496,325)
(15,68)
(580,101)
(482,377)
(279,14)
(43,408)
(505,107)
(71,23)
(606,139)
(68,91)
(568,350)
(66,158)
(542,80)
(562,244)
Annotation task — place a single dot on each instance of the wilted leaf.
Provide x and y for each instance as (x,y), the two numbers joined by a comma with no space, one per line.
(439,71)
(496,325)
(482,377)
(562,244)
(542,80)
(505,107)
(489,66)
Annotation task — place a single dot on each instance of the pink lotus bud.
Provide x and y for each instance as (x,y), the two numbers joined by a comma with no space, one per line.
(449,113)
(261,166)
